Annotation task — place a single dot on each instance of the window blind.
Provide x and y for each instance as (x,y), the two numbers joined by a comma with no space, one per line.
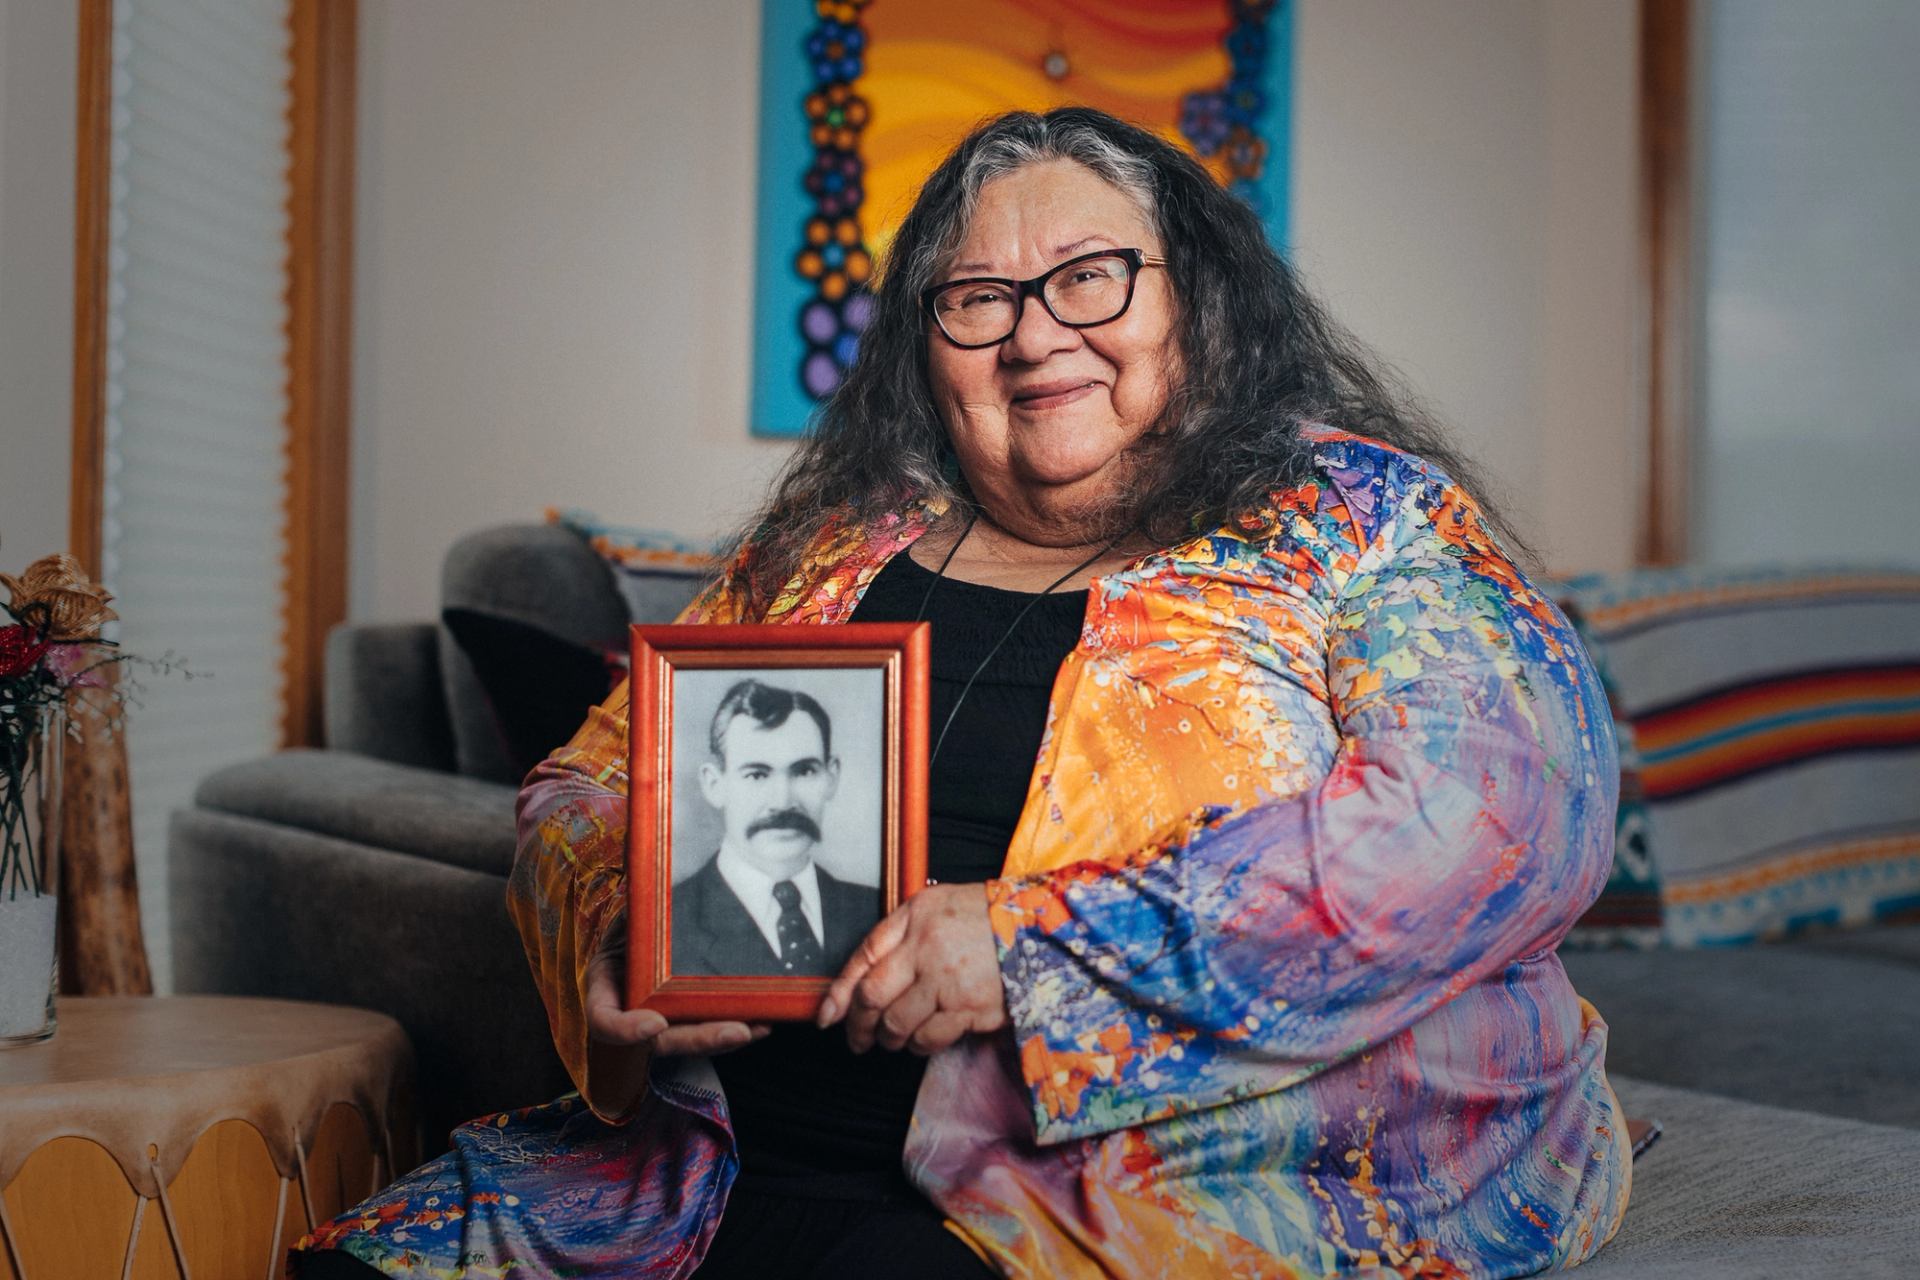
(1810,282)
(196,451)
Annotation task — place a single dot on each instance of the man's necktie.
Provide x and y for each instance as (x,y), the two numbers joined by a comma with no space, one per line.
(799,949)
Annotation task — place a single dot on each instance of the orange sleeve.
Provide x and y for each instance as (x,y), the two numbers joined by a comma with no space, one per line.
(568,887)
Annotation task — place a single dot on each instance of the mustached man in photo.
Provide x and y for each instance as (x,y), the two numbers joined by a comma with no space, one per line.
(763,905)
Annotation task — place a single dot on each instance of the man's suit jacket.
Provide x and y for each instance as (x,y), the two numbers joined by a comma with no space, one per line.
(713,933)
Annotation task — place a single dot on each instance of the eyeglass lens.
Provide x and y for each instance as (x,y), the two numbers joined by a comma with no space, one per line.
(1088,292)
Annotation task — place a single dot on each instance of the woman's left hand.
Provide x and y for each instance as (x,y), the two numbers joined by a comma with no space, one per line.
(927,975)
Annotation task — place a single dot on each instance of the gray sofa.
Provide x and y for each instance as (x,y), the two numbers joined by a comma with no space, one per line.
(372,872)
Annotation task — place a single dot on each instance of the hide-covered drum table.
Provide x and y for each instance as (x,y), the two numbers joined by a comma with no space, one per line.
(194,1137)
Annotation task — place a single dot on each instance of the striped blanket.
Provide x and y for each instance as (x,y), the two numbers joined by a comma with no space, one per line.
(1770,749)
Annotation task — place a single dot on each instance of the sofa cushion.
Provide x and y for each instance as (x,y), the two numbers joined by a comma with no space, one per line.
(1785,1024)
(538,686)
(1777,719)
(1741,1191)
(384,696)
(441,817)
(538,576)
(1897,943)
(264,909)
(658,573)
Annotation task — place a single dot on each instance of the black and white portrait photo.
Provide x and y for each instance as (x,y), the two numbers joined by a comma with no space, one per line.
(777,812)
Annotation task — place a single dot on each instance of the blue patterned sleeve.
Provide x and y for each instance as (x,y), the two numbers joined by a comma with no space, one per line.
(1465,823)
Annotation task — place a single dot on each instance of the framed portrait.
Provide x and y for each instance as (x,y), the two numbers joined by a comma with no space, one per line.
(777,809)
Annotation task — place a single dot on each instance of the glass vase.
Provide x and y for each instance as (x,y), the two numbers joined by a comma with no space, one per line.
(29,875)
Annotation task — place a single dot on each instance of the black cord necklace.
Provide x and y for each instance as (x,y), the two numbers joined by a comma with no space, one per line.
(941,573)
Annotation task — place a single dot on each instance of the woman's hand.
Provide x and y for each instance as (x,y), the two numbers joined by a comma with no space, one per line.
(927,975)
(610,1024)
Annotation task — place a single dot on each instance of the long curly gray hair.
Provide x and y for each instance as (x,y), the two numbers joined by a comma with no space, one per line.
(1259,359)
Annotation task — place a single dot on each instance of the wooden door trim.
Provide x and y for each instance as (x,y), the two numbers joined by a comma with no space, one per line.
(319,280)
(1666,319)
(319,353)
(92,170)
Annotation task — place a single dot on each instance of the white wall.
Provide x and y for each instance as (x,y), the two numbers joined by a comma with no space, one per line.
(553,297)
(39,56)
(1592,424)
(555,222)
(1463,196)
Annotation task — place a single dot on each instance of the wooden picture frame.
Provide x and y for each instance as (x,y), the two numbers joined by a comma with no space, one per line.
(820,774)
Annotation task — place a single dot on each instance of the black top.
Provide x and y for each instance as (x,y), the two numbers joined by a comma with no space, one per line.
(978,783)
(802,1103)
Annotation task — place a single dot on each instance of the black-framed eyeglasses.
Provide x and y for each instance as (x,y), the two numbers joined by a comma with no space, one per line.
(1092,289)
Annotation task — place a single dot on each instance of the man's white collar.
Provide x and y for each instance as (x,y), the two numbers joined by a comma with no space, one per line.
(754,888)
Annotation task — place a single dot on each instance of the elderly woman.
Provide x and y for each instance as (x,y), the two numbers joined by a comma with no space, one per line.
(1264,786)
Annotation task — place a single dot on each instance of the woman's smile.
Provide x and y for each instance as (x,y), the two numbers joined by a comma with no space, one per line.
(1056,394)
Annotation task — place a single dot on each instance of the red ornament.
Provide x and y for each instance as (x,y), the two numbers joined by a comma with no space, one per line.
(20,648)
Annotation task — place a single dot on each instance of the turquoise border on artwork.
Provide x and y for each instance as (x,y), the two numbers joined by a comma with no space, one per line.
(777,407)
(1278,125)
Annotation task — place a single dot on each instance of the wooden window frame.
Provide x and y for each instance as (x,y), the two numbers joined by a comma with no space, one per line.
(1665,293)
(320,354)
(319,285)
(93,168)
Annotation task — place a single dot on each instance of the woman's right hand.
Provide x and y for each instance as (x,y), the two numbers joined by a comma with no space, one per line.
(610,1023)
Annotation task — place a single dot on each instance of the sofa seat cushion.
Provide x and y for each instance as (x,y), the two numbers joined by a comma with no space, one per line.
(1899,943)
(1739,1190)
(1786,1025)
(442,817)
(426,943)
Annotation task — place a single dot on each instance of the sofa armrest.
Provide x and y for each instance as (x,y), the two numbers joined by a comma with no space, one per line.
(384,696)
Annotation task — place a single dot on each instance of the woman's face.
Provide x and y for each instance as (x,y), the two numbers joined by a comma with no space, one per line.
(1043,422)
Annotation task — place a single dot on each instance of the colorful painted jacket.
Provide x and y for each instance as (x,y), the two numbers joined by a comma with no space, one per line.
(1276,929)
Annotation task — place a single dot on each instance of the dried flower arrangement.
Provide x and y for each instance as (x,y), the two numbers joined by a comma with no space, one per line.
(52,648)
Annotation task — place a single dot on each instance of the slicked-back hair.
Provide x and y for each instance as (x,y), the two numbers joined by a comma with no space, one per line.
(767,706)
(1257,359)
